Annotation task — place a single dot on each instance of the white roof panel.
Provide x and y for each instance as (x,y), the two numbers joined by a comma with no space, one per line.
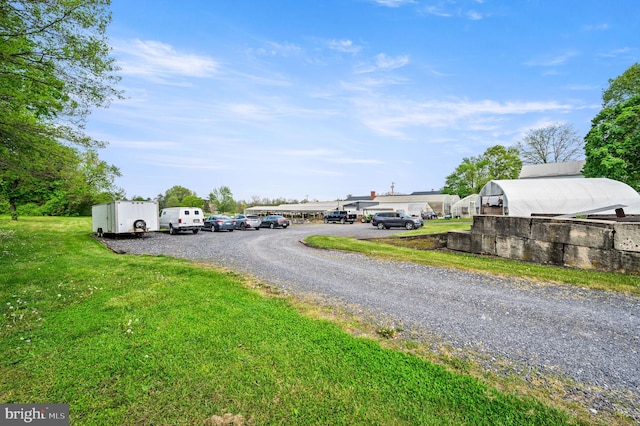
(523,197)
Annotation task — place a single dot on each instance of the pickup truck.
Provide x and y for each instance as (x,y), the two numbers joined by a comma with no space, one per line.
(340,216)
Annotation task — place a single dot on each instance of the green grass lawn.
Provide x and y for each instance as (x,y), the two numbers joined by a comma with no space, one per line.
(155,340)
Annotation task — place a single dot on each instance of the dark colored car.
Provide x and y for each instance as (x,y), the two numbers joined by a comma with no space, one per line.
(388,220)
(429,215)
(275,221)
(247,221)
(219,223)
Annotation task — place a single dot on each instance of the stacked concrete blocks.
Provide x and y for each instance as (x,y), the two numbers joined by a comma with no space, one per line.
(587,244)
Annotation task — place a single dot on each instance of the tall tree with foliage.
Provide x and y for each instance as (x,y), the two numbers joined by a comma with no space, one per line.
(497,162)
(555,143)
(54,68)
(623,87)
(173,197)
(612,146)
(221,199)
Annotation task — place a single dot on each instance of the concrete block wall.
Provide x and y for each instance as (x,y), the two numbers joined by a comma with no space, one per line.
(581,243)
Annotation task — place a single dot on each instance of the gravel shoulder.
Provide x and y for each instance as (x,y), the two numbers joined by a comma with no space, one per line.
(592,337)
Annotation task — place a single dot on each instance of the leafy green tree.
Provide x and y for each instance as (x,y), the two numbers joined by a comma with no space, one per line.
(171,201)
(179,192)
(613,143)
(222,200)
(497,162)
(555,143)
(42,175)
(54,67)
(623,87)
(612,147)
(192,201)
(502,163)
(466,178)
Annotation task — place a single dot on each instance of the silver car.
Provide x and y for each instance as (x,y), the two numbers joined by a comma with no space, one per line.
(247,221)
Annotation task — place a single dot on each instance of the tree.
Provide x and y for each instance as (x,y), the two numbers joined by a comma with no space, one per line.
(192,201)
(555,143)
(612,147)
(613,143)
(222,199)
(501,163)
(625,86)
(54,67)
(179,192)
(473,173)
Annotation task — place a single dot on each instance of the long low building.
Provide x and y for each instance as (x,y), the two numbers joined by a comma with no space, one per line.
(413,204)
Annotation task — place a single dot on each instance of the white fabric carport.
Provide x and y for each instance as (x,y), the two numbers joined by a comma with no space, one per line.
(467,207)
(412,209)
(522,197)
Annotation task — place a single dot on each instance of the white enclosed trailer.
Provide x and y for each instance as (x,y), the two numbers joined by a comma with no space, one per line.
(125,217)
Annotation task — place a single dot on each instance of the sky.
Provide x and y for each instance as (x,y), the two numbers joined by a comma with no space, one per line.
(321,99)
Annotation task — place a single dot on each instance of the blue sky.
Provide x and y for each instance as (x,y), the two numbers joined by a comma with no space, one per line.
(319,99)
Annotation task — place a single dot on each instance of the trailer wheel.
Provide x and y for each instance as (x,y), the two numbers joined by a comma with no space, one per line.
(100,233)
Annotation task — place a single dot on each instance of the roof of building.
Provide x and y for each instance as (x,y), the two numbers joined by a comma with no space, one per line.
(523,197)
(552,170)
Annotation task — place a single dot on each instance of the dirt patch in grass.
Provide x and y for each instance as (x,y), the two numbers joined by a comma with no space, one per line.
(416,242)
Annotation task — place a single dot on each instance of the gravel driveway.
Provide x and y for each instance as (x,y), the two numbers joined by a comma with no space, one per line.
(592,337)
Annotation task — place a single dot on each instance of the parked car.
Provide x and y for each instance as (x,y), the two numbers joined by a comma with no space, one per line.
(429,215)
(218,223)
(275,221)
(247,221)
(387,220)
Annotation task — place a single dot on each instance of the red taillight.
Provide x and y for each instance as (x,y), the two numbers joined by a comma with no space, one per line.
(179,220)
(219,221)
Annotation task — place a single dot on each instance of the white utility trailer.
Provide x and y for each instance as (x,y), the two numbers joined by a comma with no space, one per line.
(125,217)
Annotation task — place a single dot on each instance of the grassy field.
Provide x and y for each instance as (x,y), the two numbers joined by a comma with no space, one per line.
(155,340)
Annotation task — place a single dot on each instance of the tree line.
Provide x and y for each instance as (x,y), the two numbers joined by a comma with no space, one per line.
(56,67)
(219,200)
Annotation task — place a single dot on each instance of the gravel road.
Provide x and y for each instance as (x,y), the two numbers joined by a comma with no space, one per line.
(592,337)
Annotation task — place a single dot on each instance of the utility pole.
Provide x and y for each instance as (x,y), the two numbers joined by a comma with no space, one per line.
(393,185)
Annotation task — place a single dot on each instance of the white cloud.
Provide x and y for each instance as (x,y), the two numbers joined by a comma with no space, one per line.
(393,3)
(551,61)
(474,15)
(344,46)
(154,59)
(314,153)
(393,118)
(596,27)
(388,63)
(438,11)
(616,52)
(279,49)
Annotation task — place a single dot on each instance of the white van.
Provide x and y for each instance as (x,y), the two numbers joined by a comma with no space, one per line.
(177,219)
